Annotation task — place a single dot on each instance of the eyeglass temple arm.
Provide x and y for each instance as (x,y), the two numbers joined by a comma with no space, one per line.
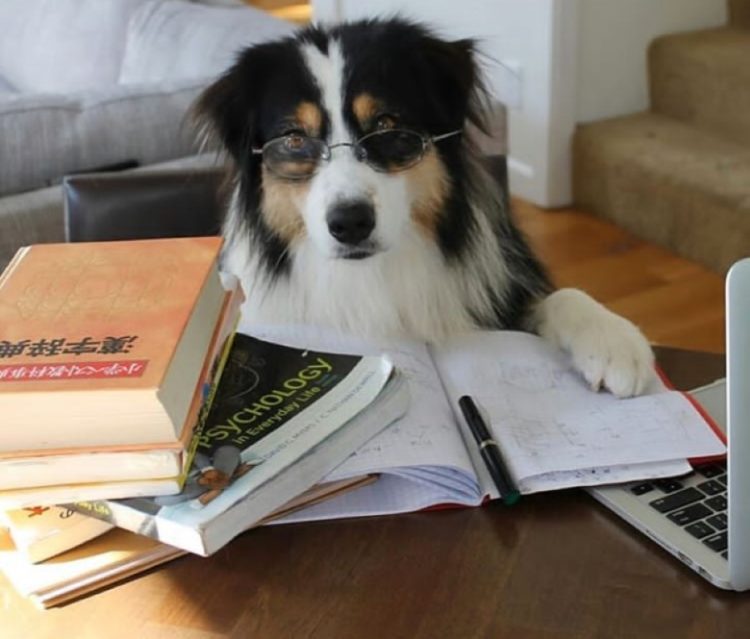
(442,136)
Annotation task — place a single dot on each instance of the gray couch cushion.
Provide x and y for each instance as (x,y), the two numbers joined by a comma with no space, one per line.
(30,218)
(62,45)
(173,39)
(146,123)
(38,140)
(44,136)
(6,87)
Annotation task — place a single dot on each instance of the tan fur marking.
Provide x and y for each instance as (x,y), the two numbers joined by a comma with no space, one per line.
(279,207)
(310,117)
(429,184)
(365,107)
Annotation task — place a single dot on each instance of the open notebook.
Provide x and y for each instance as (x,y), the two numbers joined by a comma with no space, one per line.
(554,431)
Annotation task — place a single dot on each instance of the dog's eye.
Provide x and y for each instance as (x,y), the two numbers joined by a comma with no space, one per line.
(385,121)
(295,142)
(294,156)
(299,147)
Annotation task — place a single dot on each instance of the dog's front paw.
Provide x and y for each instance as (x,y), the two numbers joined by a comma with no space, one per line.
(606,348)
(613,353)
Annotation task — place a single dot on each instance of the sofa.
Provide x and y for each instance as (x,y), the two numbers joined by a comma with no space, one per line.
(93,85)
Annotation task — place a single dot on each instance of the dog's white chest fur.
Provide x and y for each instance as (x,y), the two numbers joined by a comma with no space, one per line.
(404,292)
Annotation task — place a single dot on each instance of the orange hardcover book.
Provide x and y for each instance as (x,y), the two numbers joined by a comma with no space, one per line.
(102,344)
(56,477)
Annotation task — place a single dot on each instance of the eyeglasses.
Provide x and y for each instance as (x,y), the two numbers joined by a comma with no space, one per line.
(298,157)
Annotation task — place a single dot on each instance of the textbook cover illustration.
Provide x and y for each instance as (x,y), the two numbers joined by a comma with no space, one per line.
(282,418)
(41,532)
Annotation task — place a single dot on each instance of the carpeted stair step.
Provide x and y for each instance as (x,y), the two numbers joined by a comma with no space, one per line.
(739,13)
(667,182)
(703,78)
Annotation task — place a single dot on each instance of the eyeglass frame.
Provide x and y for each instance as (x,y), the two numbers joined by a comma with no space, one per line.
(426,141)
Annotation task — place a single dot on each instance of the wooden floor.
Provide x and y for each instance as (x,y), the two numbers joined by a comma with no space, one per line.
(674,301)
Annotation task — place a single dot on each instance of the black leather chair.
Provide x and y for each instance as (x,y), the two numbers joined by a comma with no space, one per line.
(135,205)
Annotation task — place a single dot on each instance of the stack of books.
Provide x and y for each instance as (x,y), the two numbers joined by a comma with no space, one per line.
(107,352)
(139,425)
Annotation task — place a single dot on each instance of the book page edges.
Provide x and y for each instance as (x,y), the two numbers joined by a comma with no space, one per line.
(13,265)
(194,340)
(157,553)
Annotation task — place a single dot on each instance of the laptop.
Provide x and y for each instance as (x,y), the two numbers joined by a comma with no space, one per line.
(703,519)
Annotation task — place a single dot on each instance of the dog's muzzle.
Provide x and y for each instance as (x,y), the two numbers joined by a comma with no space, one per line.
(351,224)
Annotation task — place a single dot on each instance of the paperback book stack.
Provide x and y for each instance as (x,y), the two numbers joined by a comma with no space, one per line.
(280,421)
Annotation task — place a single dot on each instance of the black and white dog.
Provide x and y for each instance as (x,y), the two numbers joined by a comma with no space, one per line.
(359,201)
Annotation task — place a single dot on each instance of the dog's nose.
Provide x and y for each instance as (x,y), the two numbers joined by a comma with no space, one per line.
(351,222)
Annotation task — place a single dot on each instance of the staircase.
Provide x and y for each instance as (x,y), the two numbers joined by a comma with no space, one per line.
(679,175)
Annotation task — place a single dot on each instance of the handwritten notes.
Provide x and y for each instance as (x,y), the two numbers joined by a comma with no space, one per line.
(549,421)
(556,433)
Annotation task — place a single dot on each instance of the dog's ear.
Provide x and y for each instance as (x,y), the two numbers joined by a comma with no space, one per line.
(457,80)
(226,112)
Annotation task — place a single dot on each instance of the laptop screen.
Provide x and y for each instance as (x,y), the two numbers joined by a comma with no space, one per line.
(738,414)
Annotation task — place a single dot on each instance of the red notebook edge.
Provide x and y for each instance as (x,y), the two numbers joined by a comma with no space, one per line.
(696,461)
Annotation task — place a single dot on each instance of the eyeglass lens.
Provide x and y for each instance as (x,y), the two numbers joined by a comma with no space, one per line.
(298,156)
(294,156)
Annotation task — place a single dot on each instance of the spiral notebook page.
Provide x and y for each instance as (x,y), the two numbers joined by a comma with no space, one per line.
(390,494)
(548,420)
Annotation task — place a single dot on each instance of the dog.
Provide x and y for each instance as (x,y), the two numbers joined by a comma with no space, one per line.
(359,200)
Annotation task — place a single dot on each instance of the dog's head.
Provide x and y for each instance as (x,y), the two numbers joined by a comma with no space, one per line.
(349,137)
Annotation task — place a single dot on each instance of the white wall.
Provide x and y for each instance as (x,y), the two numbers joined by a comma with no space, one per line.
(613,38)
(556,63)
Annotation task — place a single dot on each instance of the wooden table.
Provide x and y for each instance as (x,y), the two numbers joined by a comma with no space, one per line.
(556,566)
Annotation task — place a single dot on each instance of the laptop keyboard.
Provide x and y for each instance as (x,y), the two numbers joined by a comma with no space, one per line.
(696,502)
